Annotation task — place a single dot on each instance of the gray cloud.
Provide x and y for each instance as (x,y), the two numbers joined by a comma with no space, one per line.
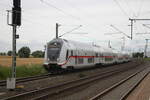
(39,19)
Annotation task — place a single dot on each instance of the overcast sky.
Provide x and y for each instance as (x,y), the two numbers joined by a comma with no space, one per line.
(40,16)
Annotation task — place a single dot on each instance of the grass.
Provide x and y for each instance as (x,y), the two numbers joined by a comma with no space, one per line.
(22,71)
(4,72)
(81,75)
(25,67)
(147,59)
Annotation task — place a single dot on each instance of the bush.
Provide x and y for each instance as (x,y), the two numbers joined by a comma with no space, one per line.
(9,53)
(24,52)
(138,55)
(38,54)
(2,53)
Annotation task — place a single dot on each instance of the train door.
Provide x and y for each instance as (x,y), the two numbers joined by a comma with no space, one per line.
(96,58)
(100,58)
(75,54)
(103,58)
(72,59)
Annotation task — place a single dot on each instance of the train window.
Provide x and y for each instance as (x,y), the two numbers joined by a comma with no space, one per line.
(96,54)
(90,60)
(67,55)
(54,45)
(80,60)
(101,55)
(71,52)
(75,60)
(108,59)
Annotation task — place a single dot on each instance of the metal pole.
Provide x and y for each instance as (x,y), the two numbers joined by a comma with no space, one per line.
(11,82)
(132,24)
(57,30)
(14,52)
(139,19)
(145,51)
(131,28)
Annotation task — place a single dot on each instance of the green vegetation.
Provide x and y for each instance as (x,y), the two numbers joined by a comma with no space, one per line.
(81,75)
(2,53)
(24,52)
(4,72)
(9,53)
(138,55)
(38,54)
(22,71)
(147,59)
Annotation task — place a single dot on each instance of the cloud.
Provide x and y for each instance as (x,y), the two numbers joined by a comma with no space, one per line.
(96,16)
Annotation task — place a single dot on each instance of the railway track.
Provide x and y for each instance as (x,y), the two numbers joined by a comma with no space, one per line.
(26,79)
(32,78)
(105,95)
(53,91)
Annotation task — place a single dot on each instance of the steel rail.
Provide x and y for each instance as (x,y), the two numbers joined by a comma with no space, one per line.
(96,97)
(98,77)
(26,79)
(132,88)
(65,86)
(30,78)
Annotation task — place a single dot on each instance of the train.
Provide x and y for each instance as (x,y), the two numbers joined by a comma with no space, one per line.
(62,54)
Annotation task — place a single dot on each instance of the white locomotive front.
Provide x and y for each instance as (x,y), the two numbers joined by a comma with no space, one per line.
(62,54)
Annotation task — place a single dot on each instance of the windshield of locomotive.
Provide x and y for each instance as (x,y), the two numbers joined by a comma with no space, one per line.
(54,50)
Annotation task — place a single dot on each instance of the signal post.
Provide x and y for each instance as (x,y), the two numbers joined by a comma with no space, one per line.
(16,21)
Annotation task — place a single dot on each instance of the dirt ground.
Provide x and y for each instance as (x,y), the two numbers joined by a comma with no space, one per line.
(142,92)
(7,61)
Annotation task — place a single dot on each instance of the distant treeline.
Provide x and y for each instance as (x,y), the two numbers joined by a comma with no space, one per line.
(25,52)
(138,55)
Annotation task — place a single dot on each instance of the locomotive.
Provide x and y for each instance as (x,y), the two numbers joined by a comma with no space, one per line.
(62,54)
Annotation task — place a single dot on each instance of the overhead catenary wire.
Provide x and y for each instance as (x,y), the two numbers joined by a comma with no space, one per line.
(130,9)
(140,8)
(60,10)
(120,31)
(70,31)
(75,7)
(68,14)
(146,25)
(124,12)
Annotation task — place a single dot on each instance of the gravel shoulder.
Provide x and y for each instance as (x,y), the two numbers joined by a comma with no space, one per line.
(142,91)
(95,88)
(33,85)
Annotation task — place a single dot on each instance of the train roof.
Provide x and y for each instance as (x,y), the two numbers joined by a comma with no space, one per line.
(84,46)
(78,45)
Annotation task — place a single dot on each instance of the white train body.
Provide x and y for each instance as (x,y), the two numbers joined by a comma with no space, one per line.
(65,54)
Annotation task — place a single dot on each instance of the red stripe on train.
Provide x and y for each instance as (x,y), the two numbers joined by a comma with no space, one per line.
(84,57)
(90,56)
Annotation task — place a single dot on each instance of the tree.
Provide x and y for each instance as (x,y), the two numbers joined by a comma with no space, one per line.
(138,54)
(4,54)
(24,52)
(9,53)
(38,54)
